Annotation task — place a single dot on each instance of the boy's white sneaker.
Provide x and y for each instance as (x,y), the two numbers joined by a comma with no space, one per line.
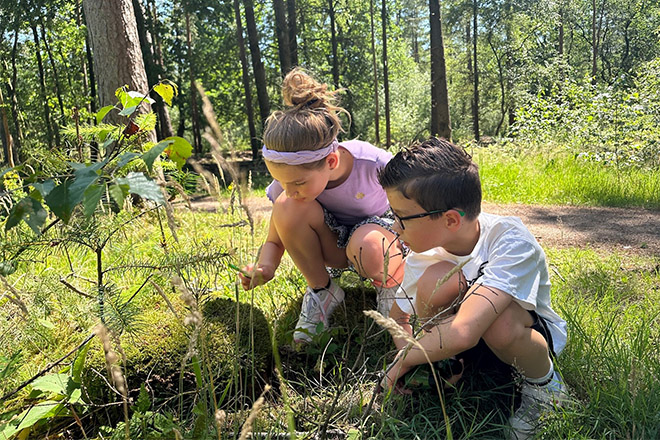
(535,400)
(317,307)
(385,297)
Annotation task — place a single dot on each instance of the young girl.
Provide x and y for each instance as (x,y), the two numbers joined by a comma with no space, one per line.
(328,207)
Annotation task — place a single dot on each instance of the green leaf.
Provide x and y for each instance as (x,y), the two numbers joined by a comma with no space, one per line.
(79,363)
(41,411)
(126,158)
(54,383)
(43,188)
(150,156)
(91,199)
(166,91)
(143,402)
(119,192)
(146,188)
(59,201)
(127,111)
(101,113)
(29,210)
(179,151)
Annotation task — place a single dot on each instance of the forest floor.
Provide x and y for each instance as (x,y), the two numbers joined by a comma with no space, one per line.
(634,231)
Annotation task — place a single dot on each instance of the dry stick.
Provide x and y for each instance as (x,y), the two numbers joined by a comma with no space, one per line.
(47,369)
(75,289)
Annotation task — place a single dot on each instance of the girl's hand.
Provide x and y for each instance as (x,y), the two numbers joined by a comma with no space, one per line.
(258,275)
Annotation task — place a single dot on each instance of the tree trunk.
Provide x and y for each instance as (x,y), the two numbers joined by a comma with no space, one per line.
(257,64)
(93,95)
(164,118)
(386,78)
(83,61)
(282,34)
(163,123)
(194,111)
(116,50)
(293,31)
(11,89)
(560,43)
(51,59)
(42,87)
(440,119)
(333,41)
(375,69)
(475,97)
(254,142)
(7,141)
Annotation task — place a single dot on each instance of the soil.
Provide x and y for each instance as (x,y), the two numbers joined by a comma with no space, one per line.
(634,231)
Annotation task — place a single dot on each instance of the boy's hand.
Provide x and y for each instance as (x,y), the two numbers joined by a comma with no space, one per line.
(258,275)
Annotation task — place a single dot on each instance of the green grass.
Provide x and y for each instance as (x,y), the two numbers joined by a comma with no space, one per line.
(611,302)
(547,178)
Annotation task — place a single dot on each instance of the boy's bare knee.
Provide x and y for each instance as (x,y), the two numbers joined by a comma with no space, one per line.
(508,327)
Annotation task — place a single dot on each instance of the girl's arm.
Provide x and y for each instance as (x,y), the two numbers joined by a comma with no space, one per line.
(268,261)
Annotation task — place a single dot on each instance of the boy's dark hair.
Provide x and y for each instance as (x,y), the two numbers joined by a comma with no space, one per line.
(437,175)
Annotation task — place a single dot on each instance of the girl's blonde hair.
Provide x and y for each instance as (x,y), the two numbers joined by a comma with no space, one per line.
(310,120)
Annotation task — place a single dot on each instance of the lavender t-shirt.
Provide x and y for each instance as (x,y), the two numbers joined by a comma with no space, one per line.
(358,197)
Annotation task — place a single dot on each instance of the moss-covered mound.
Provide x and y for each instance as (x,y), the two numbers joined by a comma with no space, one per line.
(233,344)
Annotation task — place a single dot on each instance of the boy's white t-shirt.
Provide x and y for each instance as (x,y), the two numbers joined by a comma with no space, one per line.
(506,257)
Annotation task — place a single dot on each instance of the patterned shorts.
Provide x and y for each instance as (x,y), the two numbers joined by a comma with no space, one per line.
(344,234)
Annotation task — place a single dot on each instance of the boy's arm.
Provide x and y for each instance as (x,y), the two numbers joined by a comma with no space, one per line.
(270,256)
(452,336)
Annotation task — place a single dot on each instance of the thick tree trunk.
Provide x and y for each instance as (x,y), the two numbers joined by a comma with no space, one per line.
(116,50)
(475,96)
(282,34)
(334,44)
(440,119)
(254,142)
(194,111)
(386,78)
(293,31)
(257,64)
(42,87)
(375,69)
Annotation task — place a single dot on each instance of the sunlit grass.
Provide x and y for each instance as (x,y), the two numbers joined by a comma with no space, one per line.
(546,178)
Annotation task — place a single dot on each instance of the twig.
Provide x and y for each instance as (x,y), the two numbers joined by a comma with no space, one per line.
(75,289)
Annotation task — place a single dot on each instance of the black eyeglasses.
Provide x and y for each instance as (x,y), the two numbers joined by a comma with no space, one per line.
(400,220)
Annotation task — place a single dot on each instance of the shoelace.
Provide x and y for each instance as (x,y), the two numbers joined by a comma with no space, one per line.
(309,300)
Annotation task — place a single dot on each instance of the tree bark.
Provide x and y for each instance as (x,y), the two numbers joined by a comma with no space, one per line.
(42,87)
(293,31)
(254,142)
(475,96)
(282,34)
(257,63)
(194,111)
(11,89)
(334,44)
(116,50)
(375,69)
(7,141)
(386,78)
(440,119)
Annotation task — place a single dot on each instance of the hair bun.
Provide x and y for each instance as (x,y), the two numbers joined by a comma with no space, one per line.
(299,89)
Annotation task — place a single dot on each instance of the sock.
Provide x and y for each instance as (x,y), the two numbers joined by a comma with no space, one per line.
(544,380)
(327,286)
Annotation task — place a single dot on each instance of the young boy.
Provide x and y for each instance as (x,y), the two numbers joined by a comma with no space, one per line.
(434,191)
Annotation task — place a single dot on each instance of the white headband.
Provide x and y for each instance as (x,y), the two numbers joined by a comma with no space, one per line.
(299,157)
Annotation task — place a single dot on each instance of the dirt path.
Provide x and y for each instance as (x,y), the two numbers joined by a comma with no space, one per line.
(629,230)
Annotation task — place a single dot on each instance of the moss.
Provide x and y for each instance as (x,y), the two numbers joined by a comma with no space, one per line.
(155,354)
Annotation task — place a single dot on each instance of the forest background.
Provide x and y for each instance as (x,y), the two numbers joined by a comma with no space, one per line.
(559,102)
